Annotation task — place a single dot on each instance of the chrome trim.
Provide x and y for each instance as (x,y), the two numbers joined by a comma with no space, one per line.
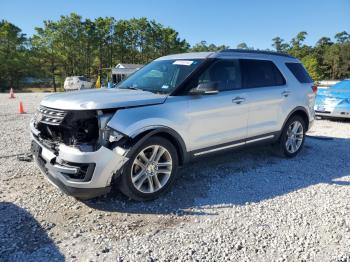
(234,145)
(218,149)
(64,169)
(260,138)
(51,116)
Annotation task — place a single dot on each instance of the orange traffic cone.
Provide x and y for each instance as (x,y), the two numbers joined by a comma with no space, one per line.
(12,94)
(21,109)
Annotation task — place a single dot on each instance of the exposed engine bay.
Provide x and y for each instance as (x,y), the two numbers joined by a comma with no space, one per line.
(84,129)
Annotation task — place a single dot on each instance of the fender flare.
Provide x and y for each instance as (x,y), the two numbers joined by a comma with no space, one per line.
(140,137)
(298,108)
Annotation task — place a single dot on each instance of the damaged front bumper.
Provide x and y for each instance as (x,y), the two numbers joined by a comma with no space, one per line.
(80,174)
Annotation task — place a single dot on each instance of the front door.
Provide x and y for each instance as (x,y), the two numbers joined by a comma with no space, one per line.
(218,118)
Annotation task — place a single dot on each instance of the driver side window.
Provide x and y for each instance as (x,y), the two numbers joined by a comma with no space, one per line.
(225,74)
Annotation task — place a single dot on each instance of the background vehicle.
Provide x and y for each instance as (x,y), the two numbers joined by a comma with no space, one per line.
(334,101)
(76,83)
(172,110)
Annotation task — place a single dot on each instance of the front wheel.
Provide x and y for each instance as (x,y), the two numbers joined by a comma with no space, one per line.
(293,136)
(151,170)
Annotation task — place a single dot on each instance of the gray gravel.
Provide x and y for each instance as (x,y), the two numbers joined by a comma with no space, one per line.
(248,205)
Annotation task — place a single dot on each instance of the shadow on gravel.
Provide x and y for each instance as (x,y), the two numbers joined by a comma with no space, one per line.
(334,119)
(22,238)
(240,177)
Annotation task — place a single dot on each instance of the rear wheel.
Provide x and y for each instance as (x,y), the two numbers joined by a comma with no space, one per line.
(151,170)
(293,136)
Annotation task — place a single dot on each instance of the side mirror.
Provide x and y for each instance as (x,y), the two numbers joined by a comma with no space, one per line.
(210,88)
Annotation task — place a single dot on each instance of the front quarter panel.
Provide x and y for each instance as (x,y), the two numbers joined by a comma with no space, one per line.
(173,113)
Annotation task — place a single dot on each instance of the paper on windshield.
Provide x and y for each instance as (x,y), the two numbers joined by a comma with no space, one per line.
(183,62)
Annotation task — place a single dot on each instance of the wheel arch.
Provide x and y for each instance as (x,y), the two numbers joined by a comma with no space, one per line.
(166,133)
(300,111)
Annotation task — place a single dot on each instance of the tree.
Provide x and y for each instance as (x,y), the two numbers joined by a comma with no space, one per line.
(323,42)
(244,46)
(73,46)
(279,45)
(311,65)
(342,37)
(45,50)
(13,54)
(297,41)
(332,58)
(76,46)
(297,48)
(204,47)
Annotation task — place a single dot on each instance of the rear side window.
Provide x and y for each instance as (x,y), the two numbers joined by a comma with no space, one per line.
(299,72)
(260,73)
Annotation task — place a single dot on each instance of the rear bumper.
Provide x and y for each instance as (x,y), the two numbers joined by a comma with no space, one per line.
(76,173)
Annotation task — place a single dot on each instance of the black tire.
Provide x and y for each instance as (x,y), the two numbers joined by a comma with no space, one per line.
(284,136)
(126,185)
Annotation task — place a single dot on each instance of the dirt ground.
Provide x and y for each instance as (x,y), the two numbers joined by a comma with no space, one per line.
(248,205)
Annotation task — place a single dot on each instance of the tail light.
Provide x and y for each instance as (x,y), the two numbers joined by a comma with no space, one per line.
(314,89)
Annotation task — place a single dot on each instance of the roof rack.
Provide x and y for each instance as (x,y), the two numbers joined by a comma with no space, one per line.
(255,52)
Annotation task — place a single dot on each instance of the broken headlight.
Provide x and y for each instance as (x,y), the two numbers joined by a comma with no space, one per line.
(107,134)
(112,135)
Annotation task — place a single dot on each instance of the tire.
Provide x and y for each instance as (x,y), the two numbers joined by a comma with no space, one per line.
(143,173)
(292,141)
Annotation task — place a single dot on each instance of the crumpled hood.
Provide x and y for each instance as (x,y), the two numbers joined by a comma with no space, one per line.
(102,99)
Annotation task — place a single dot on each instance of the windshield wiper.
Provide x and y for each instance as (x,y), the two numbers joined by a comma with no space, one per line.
(130,87)
(145,90)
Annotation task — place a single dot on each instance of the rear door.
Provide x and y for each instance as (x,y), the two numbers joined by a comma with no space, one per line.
(266,92)
(219,118)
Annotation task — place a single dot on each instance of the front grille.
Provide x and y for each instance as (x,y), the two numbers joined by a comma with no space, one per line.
(50,116)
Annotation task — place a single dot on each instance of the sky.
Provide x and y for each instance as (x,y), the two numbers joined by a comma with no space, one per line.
(227,22)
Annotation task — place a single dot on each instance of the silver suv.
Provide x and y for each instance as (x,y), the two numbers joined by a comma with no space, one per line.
(173,110)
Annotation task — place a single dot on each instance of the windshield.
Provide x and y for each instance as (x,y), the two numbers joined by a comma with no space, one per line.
(162,76)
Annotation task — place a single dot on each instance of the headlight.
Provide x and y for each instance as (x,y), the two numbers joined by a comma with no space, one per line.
(114,135)
(107,134)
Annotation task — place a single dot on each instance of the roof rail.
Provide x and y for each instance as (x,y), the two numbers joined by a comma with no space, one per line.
(255,52)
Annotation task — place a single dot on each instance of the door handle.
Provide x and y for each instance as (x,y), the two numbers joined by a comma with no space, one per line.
(286,93)
(238,100)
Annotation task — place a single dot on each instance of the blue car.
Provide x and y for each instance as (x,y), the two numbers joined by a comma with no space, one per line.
(334,101)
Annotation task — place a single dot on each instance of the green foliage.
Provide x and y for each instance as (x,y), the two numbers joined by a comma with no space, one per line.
(13,55)
(326,60)
(244,46)
(76,46)
(204,47)
(311,65)
(279,44)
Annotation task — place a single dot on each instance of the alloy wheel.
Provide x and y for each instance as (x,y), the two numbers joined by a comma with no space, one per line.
(295,136)
(151,169)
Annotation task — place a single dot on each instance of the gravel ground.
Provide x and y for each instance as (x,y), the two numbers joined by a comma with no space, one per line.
(248,205)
